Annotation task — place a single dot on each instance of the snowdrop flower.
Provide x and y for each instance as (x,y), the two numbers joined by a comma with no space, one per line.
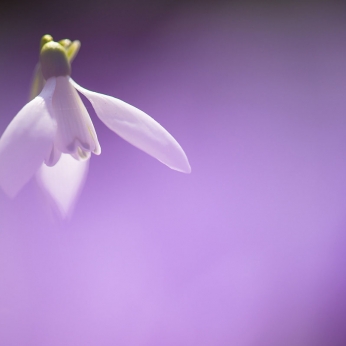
(53,136)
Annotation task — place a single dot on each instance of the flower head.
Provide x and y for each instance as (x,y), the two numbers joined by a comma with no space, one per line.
(53,135)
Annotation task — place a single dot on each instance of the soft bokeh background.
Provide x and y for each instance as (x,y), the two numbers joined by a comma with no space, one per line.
(249,249)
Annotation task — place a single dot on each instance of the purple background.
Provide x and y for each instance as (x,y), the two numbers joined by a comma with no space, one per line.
(249,249)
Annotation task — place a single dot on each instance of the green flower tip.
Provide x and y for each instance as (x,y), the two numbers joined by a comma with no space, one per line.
(65,42)
(72,48)
(54,60)
(45,39)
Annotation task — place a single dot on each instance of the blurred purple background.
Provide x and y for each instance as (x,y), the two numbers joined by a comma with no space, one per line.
(249,249)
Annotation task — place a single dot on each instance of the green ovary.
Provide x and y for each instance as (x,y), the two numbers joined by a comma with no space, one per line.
(54,60)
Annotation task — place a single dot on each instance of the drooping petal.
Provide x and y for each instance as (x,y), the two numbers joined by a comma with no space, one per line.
(138,128)
(27,141)
(76,133)
(63,182)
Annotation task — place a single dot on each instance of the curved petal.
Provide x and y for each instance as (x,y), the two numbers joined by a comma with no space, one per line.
(63,182)
(76,133)
(138,128)
(27,141)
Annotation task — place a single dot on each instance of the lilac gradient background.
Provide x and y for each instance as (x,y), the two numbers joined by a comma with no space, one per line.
(249,249)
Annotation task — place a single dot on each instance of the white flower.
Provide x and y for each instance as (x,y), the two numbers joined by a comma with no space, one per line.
(53,135)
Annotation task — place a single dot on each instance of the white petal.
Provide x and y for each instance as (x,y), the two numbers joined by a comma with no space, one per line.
(138,128)
(76,132)
(27,141)
(63,182)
